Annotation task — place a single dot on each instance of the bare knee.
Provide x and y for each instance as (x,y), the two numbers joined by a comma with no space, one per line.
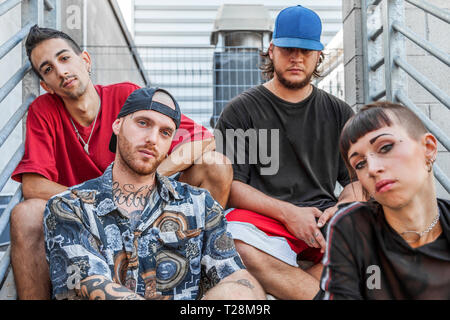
(27,220)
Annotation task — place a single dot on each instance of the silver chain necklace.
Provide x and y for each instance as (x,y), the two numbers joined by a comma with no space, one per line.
(414,236)
(86,144)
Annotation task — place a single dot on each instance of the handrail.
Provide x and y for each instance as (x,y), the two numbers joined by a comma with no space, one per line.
(4,263)
(377,96)
(423,81)
(9,127)
(4,218)
(14,40)
(375,66)
(14,81)
(12,164)
(8,5)
(434,129)
(375,2)
(376,33)
(332,67)
(444,15)
(424,44)
(48,6)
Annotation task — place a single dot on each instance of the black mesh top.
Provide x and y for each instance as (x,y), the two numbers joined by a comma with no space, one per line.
(367,259)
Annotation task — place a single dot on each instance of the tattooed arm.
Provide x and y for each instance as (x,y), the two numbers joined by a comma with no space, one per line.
(240,285)
(101,288)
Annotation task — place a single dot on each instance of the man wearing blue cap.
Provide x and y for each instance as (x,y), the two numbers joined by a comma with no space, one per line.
(135,234)
(274,221)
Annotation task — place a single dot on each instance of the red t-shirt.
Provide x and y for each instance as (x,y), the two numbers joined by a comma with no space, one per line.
(53,150)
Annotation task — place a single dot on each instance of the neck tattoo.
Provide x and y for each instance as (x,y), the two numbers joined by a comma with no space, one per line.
(130,197)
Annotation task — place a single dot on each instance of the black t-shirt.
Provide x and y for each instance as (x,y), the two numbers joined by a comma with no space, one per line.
(309,162)
(367,259)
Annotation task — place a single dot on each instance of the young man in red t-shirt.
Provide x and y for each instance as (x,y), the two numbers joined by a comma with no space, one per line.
(67,136)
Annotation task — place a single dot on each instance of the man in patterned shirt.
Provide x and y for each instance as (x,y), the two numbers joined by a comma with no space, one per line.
(133,234)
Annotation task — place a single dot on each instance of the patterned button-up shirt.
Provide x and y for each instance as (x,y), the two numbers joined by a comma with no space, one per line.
(178,249)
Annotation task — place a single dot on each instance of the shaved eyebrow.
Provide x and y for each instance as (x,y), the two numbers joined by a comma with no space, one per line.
(371,141)
(56,55)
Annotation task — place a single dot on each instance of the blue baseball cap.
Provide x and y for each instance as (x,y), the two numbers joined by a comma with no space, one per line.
(298,27)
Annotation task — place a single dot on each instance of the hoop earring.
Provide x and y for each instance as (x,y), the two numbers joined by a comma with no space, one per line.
(430,163)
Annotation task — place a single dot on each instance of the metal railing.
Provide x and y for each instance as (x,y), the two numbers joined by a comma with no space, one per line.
(44,13)
(383,24)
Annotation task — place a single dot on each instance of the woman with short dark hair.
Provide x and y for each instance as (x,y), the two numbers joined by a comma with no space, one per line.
(397,245)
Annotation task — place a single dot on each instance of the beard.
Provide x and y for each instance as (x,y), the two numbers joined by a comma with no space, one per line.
(288,84)
(77,92)
(134,164)
(292,84)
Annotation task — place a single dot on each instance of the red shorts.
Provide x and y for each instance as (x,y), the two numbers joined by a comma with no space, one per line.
(274,228)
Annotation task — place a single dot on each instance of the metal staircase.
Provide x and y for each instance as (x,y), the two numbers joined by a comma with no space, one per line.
(385,70)
(40,12)
(385,66)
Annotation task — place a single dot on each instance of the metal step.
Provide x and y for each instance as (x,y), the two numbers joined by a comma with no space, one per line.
(8,289)
(4,237)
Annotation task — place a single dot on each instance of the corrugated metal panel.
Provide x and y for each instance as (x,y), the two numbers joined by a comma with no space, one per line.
(192,20)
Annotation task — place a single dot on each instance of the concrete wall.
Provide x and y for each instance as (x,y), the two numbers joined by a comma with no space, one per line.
(353,55)
(428,27)
(99,31)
